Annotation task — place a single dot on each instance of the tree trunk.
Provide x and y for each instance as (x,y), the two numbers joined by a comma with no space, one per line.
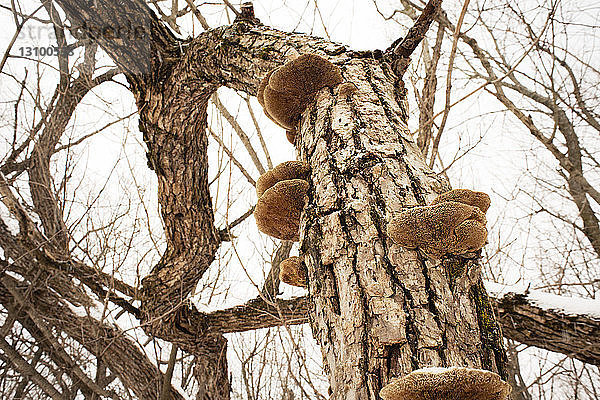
(379,310)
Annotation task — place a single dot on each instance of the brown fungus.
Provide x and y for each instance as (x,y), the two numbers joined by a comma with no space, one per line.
(278,210)
(260,95)
(285,109)
(447,384)
(347,89)
(293,272)
(285,92)
(306,74)
(290,136)
(282,172)
(465,196)
(445,228)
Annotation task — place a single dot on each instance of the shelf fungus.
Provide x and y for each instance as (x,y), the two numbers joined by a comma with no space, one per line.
(293,272)
(445,228)
(281,198)
(447,383)
(465,196)
(285,92)
(282,172)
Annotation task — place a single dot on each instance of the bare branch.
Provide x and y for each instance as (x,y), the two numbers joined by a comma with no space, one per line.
(57,348)
(197,14)
(240,132)
(270,288)
(436,141)
(118,352)
(406,46)
(166,384)
(25,369)
(232,157)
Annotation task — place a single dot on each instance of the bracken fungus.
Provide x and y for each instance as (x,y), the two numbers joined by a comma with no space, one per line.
(278,210)
(445,228)
(260,95)
(293,272)
(306,74)
(285,92)
(447,384)
(465,196)
(282,172)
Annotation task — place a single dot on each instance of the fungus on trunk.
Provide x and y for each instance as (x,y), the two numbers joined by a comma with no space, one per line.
(439,229)
(465,196)
(293,272)
(291,137)
(282,172)
(277,212)
(281,198)
(447,383)
(285,92)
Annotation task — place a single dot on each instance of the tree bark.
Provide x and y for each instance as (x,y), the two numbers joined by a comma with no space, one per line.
(172,100)
(522,320)
(379,310)
(577,336)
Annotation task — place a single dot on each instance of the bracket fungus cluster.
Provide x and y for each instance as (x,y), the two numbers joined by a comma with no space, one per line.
(285,92)
(293,272)
(447,384)
(454,223)
(281,198)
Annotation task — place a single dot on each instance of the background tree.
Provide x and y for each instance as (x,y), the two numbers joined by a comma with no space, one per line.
(74,254)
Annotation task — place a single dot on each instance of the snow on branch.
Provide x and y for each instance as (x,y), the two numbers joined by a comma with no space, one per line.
(565,305)
(567,325)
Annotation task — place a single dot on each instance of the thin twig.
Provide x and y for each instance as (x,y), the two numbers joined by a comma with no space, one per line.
(197,14)
(436,141)
(240,132)
(232,157)
(259,133)
(235,11)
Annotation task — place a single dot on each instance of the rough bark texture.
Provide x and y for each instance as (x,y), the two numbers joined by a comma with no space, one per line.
(575,335)
(257,314)
(379,310)
(172,99)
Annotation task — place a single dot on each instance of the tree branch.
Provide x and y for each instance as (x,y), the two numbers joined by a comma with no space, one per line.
(577,336)
(47,337)
(130,33)
(525,321)
(118,352)
(403,48)
(25,369)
